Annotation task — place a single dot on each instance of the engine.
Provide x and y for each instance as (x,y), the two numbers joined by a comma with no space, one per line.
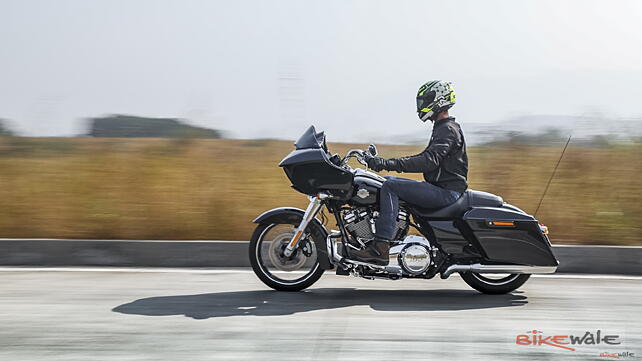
(360,223)
(409,254)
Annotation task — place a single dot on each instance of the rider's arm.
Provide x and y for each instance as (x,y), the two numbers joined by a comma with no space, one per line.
(444,139)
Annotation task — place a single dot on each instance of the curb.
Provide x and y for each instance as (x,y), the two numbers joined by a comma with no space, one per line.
(119,253)
(144,253)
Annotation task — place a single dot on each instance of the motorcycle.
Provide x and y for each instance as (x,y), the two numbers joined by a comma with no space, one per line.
(493,245)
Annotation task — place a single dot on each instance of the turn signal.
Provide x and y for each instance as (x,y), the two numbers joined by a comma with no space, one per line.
(502,223)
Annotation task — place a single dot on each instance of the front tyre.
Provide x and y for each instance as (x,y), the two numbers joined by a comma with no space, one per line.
(493,284)
(293,273)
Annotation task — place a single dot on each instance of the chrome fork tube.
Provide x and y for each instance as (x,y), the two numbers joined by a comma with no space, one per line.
(313,208)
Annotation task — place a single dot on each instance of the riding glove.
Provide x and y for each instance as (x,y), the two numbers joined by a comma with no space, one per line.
(378,164)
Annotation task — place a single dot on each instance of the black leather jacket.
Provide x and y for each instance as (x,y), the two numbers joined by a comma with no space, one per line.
(444,162)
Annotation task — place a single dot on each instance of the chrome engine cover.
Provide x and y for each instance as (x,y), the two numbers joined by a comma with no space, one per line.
(413,255)
(415,259)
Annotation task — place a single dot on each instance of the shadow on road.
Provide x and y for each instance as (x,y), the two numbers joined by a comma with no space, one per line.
(273,303)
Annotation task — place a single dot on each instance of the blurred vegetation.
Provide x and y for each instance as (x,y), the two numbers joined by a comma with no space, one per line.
(548,136)
(551,136)
(213,188)
(4,128)
(129,126)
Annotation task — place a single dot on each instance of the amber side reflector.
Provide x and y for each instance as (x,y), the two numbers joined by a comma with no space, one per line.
(502,224)
(296,238)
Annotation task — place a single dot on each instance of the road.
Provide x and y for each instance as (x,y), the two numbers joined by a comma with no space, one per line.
(129,314)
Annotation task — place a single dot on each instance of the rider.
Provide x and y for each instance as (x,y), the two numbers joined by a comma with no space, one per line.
(444,164)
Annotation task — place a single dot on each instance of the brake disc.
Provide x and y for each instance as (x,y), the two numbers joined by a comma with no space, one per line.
(282,263)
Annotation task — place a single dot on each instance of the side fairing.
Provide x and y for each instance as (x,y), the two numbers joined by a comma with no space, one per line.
(449,237)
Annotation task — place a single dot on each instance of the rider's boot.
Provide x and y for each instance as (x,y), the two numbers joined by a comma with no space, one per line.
(376,252)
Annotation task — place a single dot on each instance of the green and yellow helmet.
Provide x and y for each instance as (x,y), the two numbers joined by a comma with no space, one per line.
(433,98)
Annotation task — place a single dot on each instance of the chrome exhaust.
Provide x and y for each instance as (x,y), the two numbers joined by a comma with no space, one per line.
(494,268)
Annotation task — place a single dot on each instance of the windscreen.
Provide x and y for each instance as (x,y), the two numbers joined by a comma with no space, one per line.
(311,139)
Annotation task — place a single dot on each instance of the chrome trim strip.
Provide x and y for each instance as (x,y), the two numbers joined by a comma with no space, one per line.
(485,268)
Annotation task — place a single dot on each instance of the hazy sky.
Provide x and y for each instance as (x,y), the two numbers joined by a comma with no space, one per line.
(270,68)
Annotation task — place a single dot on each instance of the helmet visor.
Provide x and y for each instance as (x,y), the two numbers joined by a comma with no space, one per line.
(425,100)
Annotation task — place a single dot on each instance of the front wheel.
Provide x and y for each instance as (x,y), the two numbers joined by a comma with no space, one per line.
(494,284)
(294,273)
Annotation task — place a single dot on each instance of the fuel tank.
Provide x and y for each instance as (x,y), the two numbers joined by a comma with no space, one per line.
(366,187)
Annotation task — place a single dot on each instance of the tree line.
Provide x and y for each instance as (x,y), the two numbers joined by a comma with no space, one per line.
(130,126)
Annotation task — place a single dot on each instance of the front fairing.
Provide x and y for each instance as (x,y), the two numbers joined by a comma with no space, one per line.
(311,171)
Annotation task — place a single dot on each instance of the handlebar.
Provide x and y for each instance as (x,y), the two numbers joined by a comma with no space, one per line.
(356,153)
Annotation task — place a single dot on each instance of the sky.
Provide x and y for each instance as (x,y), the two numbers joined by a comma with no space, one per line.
(352,68)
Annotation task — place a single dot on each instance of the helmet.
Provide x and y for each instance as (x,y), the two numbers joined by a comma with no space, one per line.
(433,98)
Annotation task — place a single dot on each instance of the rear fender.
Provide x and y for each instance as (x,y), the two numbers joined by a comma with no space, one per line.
(291,215)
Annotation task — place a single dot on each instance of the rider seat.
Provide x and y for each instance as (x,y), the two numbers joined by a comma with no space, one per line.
(469,199)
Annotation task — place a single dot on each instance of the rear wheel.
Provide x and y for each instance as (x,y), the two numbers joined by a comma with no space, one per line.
(494,284)
(293,273)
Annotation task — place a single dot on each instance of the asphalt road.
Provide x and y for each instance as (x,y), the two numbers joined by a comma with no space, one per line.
(229,315)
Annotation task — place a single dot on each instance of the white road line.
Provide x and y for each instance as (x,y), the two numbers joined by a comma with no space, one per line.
(123,270)
(590,276)
(247,270)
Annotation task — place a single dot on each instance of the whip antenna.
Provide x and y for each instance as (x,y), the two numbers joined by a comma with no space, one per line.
(552,176)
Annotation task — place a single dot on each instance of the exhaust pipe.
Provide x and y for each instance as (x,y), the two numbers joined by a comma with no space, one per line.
(494,268)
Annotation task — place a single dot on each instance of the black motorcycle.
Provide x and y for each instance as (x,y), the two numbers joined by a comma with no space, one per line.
(493,245)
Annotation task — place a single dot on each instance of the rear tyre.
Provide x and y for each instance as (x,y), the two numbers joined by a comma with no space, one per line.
(295,273)
(492,285)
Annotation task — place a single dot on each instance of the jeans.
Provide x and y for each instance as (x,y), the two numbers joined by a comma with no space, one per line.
(421,194)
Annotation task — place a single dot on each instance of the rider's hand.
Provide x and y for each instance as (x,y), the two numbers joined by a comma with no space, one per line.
(375,163)
(378,164)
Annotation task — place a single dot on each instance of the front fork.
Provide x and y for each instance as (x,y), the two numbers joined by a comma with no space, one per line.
(314,207)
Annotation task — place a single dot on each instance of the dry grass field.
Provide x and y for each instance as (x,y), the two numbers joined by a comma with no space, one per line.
(212,189)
